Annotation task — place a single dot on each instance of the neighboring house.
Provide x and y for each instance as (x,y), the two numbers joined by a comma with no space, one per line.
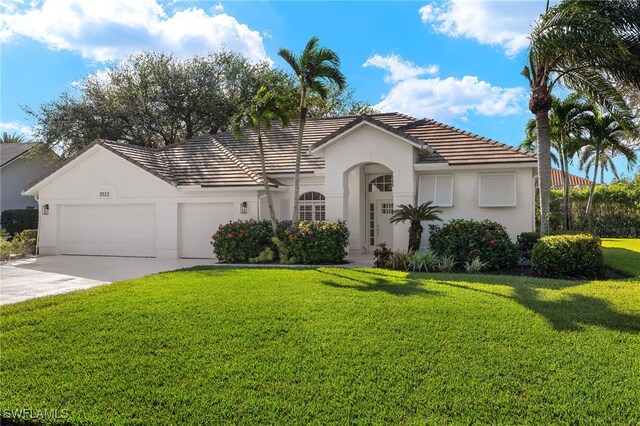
(19,166)
(118,199)
(574,181)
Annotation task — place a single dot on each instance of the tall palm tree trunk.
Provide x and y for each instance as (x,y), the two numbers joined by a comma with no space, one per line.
(592,190)
(267,188)
(543,134)
(564,164)
(296,179)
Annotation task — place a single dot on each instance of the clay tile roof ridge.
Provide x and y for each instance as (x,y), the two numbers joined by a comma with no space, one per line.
(231,156)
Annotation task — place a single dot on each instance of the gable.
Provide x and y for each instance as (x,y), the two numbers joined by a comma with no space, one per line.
(98,167)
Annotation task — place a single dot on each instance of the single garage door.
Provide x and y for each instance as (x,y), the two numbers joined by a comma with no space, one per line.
(197,223)
(108,230)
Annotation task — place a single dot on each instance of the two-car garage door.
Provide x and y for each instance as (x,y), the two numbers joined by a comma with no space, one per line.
(130,229)
(108,229)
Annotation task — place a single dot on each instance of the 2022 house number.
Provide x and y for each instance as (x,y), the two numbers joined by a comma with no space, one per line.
(104,194)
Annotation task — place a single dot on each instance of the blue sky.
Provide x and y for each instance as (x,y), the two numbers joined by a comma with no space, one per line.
(457,61)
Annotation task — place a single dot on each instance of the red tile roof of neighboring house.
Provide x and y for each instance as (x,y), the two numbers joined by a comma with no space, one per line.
(556,179)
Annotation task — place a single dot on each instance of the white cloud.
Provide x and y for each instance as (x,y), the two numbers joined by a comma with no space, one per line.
(500,23)
(218,7)
(107,30)
(16,127)
(397,68)
(445,98)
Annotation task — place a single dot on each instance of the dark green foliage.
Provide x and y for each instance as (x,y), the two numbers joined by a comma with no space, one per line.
(578,255)
(316,243)
(237,242)
(525,243)
(16,221)
(381,255)
(468,239)
(308,243)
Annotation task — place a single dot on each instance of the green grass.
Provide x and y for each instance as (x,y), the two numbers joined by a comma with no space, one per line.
(328,345)
(622,255)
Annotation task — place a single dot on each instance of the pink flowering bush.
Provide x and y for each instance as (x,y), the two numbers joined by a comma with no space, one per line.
(468,239)
(314,243)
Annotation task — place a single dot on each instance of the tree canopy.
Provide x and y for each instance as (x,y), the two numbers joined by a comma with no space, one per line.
(154,100)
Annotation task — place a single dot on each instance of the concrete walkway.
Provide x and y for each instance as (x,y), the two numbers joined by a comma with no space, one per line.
(44,276)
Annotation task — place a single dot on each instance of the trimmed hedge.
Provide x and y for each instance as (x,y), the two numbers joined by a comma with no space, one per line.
(305,242)
(467,239)
(16,221)
(577,255)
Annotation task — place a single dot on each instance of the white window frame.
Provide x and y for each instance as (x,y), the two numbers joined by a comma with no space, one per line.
(315,212)
(435,189)
(515,189)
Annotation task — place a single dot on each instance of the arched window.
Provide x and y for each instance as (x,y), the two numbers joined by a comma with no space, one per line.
(382,183)
(311,206)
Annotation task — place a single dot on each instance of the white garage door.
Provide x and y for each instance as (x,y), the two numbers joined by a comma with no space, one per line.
(108,230)
(198,222)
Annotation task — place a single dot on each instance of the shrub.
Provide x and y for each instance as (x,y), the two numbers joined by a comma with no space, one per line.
(237,242)
(266,256)
(16,221)
(525,243)
(399,260)
(423,261)
(314,243)
(22,244)
(447,263)
(381,255)
(468,239)
(475,266)
(577,255)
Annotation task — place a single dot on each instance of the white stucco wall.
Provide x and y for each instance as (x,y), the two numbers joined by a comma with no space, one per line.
(15,176)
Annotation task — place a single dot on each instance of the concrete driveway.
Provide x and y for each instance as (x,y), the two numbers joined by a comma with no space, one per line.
(43,276)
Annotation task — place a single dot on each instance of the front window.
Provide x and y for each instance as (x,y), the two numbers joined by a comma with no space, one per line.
(382,183)
(311,206)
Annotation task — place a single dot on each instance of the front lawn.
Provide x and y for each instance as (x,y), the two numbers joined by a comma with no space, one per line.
(622,255)
(327,345)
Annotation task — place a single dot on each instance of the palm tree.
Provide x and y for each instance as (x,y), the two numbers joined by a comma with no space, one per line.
(266,106)
(315,69)
(415,215)
(592,47)
(13,138)
(607,139)
(566,123)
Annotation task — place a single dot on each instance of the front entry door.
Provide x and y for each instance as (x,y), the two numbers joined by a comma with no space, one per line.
(383,228)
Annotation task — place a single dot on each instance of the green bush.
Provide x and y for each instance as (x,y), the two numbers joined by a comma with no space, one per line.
(306,243)
(315,243)
(578,255)
(525,243)
(23,244)
(16,221)
(467,239)
(399,260)
(381,256)
(423,261)
(237,242)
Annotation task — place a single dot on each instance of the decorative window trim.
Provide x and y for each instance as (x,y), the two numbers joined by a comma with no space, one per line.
(435,189)
(385,180)
(480,194)
(311,206)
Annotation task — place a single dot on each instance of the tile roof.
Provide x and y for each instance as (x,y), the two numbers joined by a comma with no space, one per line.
(557,179)
(223,160)
(11,151)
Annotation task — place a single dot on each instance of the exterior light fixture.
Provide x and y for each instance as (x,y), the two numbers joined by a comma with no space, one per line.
(45,209)
(243,207)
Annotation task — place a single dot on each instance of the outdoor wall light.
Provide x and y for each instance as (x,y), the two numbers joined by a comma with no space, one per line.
(45,209)
(243,207)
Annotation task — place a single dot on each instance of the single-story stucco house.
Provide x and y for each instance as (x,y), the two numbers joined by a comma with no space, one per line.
(123,200)
(20,164)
